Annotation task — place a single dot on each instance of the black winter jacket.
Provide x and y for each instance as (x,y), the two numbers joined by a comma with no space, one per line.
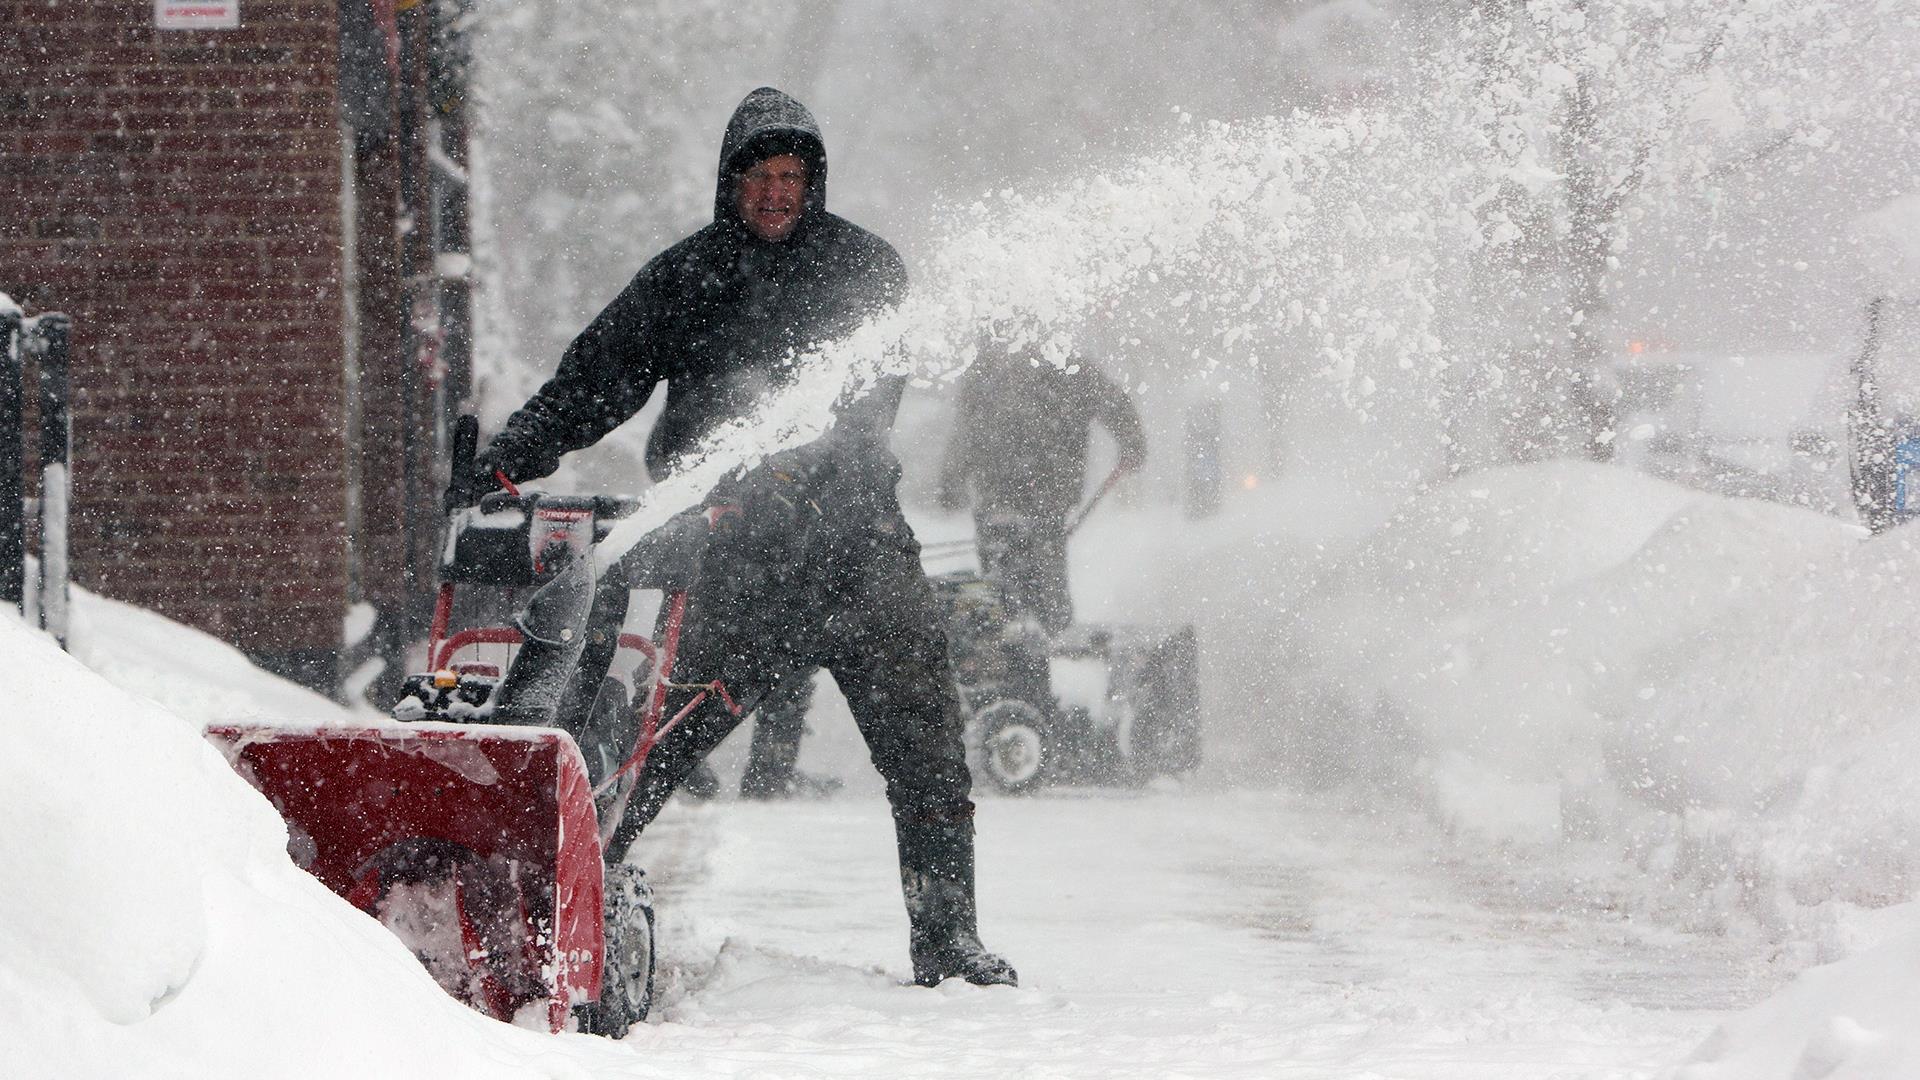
(720,317)
(1021,433)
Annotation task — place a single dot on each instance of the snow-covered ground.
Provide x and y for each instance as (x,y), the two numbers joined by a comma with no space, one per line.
(1555,771)
(1238,934)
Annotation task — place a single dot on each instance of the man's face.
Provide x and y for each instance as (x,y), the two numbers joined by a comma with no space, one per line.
(771,195)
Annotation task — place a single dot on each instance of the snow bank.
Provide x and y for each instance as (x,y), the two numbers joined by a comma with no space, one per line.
(1563,658)
(152,924)
(187,671)
(1570,652)
(1847,1021)
(1570,662)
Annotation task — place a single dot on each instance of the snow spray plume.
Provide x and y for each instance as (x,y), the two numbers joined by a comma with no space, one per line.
(1398,277)
(1250,208)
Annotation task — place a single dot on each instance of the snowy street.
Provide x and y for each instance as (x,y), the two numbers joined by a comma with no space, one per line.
(1159,935)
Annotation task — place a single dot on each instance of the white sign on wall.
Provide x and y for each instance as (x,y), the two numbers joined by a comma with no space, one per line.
(196,14)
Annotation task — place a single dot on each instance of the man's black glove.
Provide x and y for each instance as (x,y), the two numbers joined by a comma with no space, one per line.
(467,488)
(770,510)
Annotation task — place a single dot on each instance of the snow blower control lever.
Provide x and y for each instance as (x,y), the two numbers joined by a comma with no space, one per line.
(460,479)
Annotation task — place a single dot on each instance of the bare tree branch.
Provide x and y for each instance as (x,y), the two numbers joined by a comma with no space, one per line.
(1759,153)
(1698,64)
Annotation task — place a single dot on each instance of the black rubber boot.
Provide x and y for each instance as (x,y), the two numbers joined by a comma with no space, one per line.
(778,725)
(936,876)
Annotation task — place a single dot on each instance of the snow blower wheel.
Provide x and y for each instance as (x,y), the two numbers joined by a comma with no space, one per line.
(1013,746)
(626,988)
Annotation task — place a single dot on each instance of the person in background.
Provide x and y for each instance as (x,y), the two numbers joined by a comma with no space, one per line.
(773,756)
(1018,452)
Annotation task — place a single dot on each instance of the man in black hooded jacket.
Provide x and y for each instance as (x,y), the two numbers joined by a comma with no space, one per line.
(832,580)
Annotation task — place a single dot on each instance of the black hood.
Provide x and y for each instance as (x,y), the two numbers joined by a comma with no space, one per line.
(766,124)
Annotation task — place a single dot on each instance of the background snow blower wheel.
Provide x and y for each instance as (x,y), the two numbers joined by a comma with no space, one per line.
(1166,729)
(1013,745)
(626,986)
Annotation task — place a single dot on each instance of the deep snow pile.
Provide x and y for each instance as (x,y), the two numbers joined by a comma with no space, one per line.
(188,672)
(151,923)
(1718,687)
(1564,659)
(1847,1021)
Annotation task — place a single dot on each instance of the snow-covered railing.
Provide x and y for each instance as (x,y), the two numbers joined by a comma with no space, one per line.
(44,338)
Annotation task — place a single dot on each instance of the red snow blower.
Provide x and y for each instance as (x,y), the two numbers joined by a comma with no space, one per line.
(476,845)
(480,845)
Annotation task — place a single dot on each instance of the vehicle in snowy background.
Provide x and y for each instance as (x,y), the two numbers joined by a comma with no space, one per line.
(480,845)
(1094,704)
(1759,425)
(1883,422)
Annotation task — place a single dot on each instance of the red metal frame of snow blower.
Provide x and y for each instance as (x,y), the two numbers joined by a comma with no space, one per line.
(442,647)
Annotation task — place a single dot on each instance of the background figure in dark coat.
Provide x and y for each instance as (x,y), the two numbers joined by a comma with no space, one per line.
(826,575)
(1022,427)
(773,758)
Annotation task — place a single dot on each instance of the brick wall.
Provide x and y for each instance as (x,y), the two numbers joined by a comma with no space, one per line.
(179,194)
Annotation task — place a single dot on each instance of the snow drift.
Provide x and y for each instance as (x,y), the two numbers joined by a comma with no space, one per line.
(151,923)
(1847,1021)
(1566,653)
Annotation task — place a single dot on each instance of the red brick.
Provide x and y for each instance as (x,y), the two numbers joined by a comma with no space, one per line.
(179,194)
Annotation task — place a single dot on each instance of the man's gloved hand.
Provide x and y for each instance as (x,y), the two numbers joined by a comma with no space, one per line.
(782,493)
(467,489)
(771,508)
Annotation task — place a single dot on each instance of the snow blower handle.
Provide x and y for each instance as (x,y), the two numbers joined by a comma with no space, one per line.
(1112,481)
(466,443)
(466,446)
(465,485)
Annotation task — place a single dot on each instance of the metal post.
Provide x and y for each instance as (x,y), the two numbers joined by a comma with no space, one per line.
(450,61)
(56,451)
(1869,435)
(13,538)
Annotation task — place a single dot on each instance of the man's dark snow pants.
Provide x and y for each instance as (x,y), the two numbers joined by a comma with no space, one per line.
(858,604)
(852,599)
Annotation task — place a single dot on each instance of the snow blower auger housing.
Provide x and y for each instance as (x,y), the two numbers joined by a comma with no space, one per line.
(481,844)
(476,845)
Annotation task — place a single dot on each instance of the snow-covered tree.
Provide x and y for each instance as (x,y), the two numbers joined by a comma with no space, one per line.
(1597,110)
